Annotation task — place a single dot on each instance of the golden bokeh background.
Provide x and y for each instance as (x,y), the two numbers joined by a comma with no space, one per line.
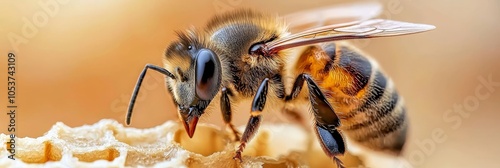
(77,62)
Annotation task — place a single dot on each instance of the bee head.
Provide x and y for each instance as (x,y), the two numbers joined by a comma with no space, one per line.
(197,72)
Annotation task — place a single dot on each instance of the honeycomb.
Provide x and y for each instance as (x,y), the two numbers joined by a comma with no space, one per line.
(108,143)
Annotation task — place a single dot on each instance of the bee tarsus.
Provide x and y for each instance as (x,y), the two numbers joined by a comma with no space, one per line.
(253,124)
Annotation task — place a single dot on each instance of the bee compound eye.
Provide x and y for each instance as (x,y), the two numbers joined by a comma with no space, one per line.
(207,74)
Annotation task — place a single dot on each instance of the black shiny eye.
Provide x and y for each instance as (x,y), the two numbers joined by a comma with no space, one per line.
(207,74)
(190,47)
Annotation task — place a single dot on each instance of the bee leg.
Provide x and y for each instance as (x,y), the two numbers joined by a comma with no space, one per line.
(225,106)
(327,121)
(139,83)
(255,117)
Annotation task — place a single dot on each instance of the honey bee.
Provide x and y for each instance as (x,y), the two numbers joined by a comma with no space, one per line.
(245,54)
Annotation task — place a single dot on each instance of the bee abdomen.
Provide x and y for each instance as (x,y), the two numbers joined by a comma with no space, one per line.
(352,63)
(375,92)
(358,66)
(380,122)
(372,112)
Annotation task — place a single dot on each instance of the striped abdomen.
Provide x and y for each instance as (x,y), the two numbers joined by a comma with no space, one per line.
(371,111)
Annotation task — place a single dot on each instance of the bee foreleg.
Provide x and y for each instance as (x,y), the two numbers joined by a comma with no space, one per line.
(255,117)
(225,105)
(326,119)
(139,83)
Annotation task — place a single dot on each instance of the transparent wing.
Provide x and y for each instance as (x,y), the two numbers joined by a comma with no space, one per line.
(354,30)
(330,15)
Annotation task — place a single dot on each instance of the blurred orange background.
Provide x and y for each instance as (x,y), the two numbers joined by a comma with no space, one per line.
(81,60)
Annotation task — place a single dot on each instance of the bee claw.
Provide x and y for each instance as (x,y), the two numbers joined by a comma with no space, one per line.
(338,162)
(238,157)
